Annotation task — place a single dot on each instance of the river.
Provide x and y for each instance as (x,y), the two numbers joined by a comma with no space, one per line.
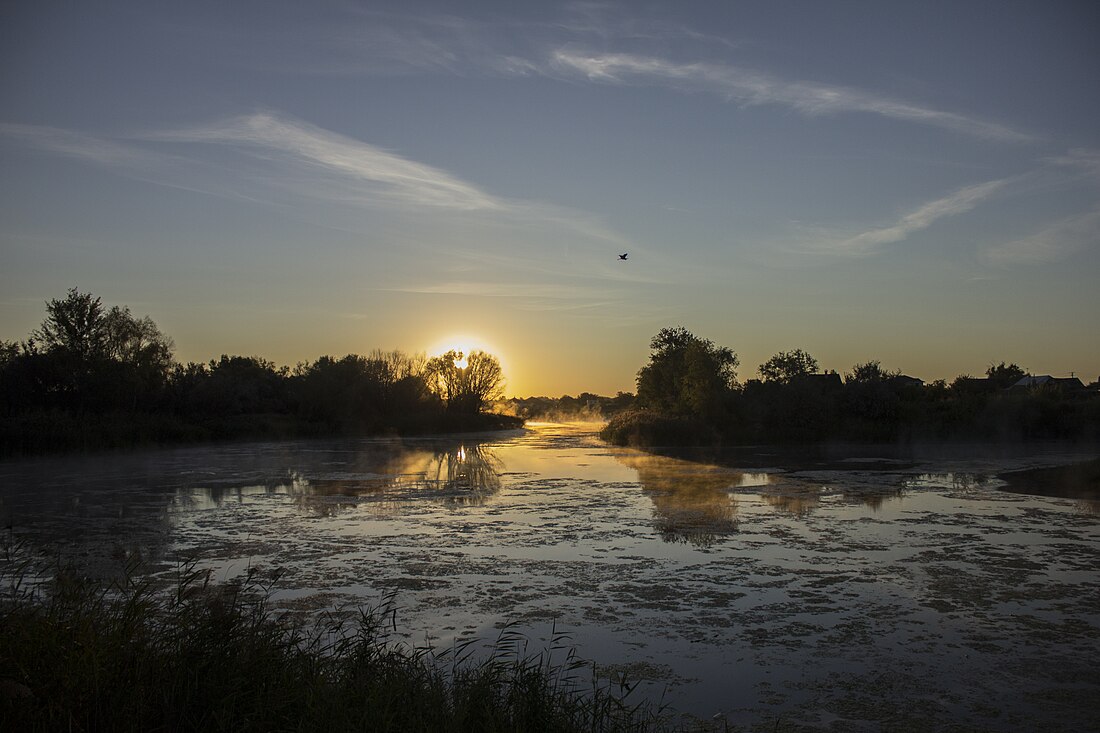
(859,592)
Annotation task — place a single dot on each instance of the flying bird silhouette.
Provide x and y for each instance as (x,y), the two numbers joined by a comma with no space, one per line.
(623,255)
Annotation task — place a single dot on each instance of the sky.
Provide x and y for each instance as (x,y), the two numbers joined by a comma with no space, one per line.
(913,183)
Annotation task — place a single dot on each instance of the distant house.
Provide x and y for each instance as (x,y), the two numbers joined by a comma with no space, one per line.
(904,380)
(1065,384)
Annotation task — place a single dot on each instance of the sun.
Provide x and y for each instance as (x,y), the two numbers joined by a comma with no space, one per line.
(464,344)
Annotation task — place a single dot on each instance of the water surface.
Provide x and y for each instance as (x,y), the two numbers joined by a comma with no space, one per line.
(860,593)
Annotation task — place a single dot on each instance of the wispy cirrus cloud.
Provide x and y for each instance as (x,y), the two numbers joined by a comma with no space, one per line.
(373,41)
(385,174)
(1066,172)
(314,162)
(922,217)
(272,159)
(1054,242)
(1085,161)
(749,87)
(71,144)
(376,42)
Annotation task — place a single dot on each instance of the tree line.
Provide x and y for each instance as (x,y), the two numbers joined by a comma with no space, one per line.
(688,393)
(585,407)
(96,377)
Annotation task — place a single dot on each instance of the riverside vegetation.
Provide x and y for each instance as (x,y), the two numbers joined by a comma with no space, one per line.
(688,394)
(92,377)
(76,654)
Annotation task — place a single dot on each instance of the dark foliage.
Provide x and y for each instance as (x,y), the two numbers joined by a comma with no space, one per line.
(92,377)
(686,375)
(585,406)
(642,428)
(79,655)
(871,404)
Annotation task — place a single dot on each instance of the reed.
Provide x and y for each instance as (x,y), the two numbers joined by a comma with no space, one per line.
(85,655)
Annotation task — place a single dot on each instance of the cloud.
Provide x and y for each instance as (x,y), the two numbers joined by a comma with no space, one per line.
(71,144)
(373,41)
(273,160)
(323,162)
(1060,239)
(1057,241)
(318,163)
(309,161)
(381,42)
(958,202)
(388,175)
(1084,160)
(747,87)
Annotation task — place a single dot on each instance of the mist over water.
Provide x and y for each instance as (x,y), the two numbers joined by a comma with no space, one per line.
(858,590)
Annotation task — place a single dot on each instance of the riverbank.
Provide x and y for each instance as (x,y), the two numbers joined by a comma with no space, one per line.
(1048,467)
(1075,481)
(58,432)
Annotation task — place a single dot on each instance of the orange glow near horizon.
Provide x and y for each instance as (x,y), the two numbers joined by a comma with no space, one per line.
(465,344)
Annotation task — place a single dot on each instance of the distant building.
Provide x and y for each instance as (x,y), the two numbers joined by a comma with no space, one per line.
(904,380)
(1065,384)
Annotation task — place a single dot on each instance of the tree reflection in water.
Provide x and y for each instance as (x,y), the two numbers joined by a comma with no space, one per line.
(691,501)
(465,475)
(211,494)
(798,504)
(801,496)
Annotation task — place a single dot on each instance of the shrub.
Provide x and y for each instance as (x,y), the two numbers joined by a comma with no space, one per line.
(646,428)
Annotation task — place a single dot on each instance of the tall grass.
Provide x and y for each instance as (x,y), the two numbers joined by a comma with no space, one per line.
(82,655)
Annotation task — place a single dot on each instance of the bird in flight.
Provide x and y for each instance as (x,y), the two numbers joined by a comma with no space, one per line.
(623,255)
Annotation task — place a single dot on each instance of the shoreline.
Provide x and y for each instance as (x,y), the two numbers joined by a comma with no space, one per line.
(122,433)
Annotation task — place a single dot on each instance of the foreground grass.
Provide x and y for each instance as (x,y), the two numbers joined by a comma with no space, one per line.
(77,655)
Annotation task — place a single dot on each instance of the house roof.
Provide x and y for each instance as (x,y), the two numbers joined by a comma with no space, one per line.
(1044,380)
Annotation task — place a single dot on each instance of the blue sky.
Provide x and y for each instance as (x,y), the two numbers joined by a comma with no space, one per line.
(915,183)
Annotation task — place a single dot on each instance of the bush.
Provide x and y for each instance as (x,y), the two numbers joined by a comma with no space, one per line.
(646,428)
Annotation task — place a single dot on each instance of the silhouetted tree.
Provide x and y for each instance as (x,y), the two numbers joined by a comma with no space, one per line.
(1005,375)
(92,377)
(686,375)
(242,385)
(870,371)
(341,392)
(787,365)
(465,382)
(84,358)
(136,341)
(75,324)
(401,365)
(9,351)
